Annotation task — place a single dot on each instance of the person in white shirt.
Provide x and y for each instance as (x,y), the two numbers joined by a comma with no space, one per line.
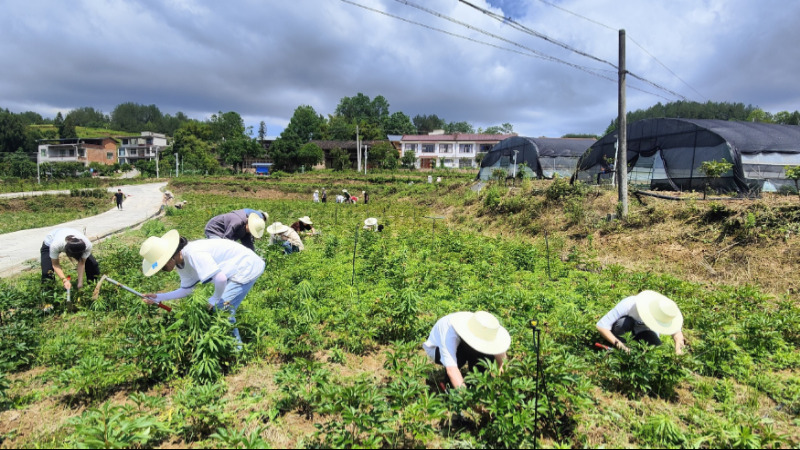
(76,246)
(232,267)
(466,338)
(646,316)
(285,236)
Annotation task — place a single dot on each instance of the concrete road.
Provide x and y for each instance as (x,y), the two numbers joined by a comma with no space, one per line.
(143,203)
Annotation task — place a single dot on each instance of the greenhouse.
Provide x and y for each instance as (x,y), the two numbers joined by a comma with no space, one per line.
(536,157)
(668,154)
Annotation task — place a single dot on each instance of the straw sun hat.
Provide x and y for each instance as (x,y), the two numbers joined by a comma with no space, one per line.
(659,313)
(277,228)
(481,331)
(371,222)
(256,225)
(156,251)
(306,220)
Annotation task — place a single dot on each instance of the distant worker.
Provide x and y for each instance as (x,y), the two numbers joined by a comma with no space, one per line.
(285,236)
(304,225)
(119,196)
(76,246)
(232,268)
(316,196)
(646,316)
(467,338)
(242,225)
(371,224)
(365,197)
(346,195)
(324,196)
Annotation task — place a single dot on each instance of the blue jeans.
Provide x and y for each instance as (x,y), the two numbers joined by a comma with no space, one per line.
(231,299)
(288,248)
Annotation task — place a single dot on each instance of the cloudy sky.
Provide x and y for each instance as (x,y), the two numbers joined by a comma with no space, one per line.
(264,58)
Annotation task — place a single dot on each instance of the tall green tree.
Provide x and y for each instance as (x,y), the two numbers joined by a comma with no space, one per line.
(383,155)
(310,155)
(12,132)
(340,159)
(459,127)
(399,123)
(425,124)
(234,151)
(67,130)
(505,128)
(226,126)
(191,142)
(87,116)
(304,126)
(134,118)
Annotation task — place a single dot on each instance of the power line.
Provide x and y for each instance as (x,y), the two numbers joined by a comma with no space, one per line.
(527,51)
(632,40)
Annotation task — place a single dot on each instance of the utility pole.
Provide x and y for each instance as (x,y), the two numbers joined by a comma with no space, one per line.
(156,149)
(366,149)
(622,151)
(358,150)
(176,164)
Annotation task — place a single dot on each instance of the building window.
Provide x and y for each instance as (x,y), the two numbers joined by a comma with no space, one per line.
(411,147)
(43,152)
(486,147)
(465,163)
(109,155)
(122,152)
(428,148)
(465,148)
(445,148)
(81,152)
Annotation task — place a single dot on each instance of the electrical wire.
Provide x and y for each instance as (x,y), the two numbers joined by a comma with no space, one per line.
(631,39)
(527,51)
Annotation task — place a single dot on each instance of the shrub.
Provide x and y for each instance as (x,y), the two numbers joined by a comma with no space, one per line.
(644,370)
(115,427)
(200,410)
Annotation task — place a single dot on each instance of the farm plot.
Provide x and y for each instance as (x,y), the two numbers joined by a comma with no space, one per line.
(332,353)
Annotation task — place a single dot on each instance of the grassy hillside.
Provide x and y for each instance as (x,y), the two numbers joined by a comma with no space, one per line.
(332,355)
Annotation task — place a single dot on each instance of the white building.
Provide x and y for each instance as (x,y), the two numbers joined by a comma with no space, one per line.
(143,147)
(456,151)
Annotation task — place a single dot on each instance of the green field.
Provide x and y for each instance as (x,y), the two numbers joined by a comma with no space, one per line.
(333,334)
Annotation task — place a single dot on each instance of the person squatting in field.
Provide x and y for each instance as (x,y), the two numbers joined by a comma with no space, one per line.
(303,225)
(241,225)
(646,316)
(285,236)
(232,267)
(466,338)
(76,246)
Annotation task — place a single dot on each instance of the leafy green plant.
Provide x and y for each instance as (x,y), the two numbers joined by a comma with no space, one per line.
(238,439)
(200,410)
(659,430)
(93,376)
(115,427)
(644,370)
(714,170)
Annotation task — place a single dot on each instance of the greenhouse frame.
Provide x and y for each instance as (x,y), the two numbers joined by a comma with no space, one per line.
(542,157)
(668,154)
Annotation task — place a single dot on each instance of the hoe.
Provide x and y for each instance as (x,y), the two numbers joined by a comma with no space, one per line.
(112,281)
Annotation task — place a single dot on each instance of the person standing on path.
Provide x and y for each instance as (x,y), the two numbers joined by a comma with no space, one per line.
(76,246)
(232,268)
(119,196)
(241,225)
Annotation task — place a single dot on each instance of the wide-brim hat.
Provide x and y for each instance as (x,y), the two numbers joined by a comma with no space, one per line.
(256,225)
(481,331)
(277,228)
(659,313)
(306,220)
(156,251)
(371,222)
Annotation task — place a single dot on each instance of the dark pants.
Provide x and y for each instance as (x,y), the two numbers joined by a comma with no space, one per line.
(92,267)
(627,324)
(467,355)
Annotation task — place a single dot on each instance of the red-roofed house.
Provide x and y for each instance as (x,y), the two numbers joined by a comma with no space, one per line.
(451,150)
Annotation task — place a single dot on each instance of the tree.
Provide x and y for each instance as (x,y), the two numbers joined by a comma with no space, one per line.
(304,126)
(759,115)
(399,123)
(58,122)
(505,128)
(459,127)
(426,124)
(234,151)
(262,131)
(381,153)
(67,130)
(12,132)
(133,117)
(793,173)
(340,159)
(88,117)
(688,110)
(226,126)
(310,155)
(193,149)
(17,164)
(409,160)
(714,170)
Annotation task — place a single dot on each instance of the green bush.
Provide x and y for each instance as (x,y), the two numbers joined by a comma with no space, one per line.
(644,370)
(200,410)
(115,427)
